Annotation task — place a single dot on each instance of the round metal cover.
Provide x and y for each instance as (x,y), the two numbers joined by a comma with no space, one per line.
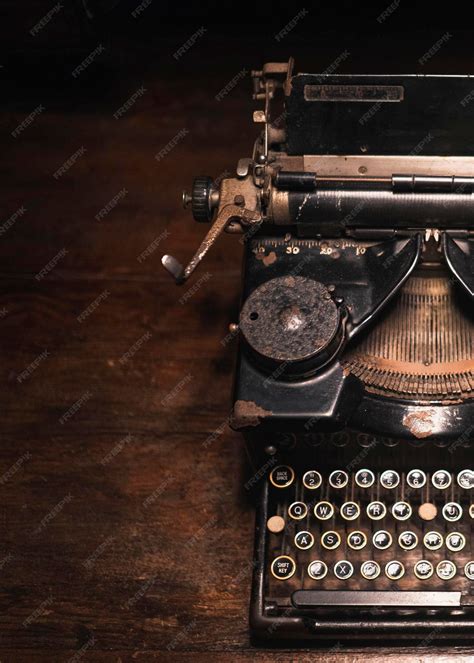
(289,319)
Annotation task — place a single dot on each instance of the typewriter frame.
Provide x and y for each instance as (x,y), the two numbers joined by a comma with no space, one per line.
(302,184)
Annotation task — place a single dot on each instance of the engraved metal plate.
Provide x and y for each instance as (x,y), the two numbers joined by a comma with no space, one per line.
(367,93)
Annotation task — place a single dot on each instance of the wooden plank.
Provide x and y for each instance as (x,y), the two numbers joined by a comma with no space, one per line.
(124,535)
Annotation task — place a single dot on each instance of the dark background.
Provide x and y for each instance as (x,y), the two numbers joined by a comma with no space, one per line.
(126,529)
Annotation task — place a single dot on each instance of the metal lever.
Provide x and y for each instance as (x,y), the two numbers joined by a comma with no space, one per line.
(226,213)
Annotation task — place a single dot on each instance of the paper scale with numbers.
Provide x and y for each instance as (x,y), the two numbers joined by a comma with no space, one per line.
(354,384)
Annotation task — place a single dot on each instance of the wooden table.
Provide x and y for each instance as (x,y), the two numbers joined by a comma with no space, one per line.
(126,529)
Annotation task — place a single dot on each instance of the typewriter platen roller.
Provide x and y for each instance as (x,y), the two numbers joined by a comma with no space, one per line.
(355,376)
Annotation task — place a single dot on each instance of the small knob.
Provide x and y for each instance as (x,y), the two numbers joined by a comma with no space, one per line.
(202,204)
(187,199)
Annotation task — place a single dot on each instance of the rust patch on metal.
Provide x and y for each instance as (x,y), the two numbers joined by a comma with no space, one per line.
(247,413)
(267,259)
(420,424)
(345,370)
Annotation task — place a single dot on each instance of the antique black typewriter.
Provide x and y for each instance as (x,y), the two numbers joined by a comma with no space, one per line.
(355,377)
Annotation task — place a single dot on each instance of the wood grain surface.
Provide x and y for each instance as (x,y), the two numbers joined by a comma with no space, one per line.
(126,530)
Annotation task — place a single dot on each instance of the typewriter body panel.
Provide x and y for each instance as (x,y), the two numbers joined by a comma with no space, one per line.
(354,385)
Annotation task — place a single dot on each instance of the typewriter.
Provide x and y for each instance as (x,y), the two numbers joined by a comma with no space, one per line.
(354,384)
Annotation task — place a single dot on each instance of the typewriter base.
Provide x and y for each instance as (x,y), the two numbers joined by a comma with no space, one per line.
(275,621)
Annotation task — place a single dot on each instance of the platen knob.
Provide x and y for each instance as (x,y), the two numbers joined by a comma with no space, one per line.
(202,203)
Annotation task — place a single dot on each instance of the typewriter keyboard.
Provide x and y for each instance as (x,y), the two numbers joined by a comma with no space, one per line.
(370,530)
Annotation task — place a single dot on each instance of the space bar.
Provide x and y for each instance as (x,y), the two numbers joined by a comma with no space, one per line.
(307,598)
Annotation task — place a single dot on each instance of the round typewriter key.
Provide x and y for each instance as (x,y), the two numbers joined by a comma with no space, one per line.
(324,510)
(446,570)
(350,510)
(376,510)
(365,478)
(466,479)
(283,567)
(455,541)
(338,479)
(390,479)
(401,510)
(304,540)
(343,569)
(416,478)
(330,540)
(408,540)
(452,511)
(356,540)
(423,569)
(317,570)
(370,570)
(469,570)
(427,511)
(312,480)
(276,524)
(471,510)
(282,476)
(382,540)
(394,570)
(441,479)
(297,510)
(433,540)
